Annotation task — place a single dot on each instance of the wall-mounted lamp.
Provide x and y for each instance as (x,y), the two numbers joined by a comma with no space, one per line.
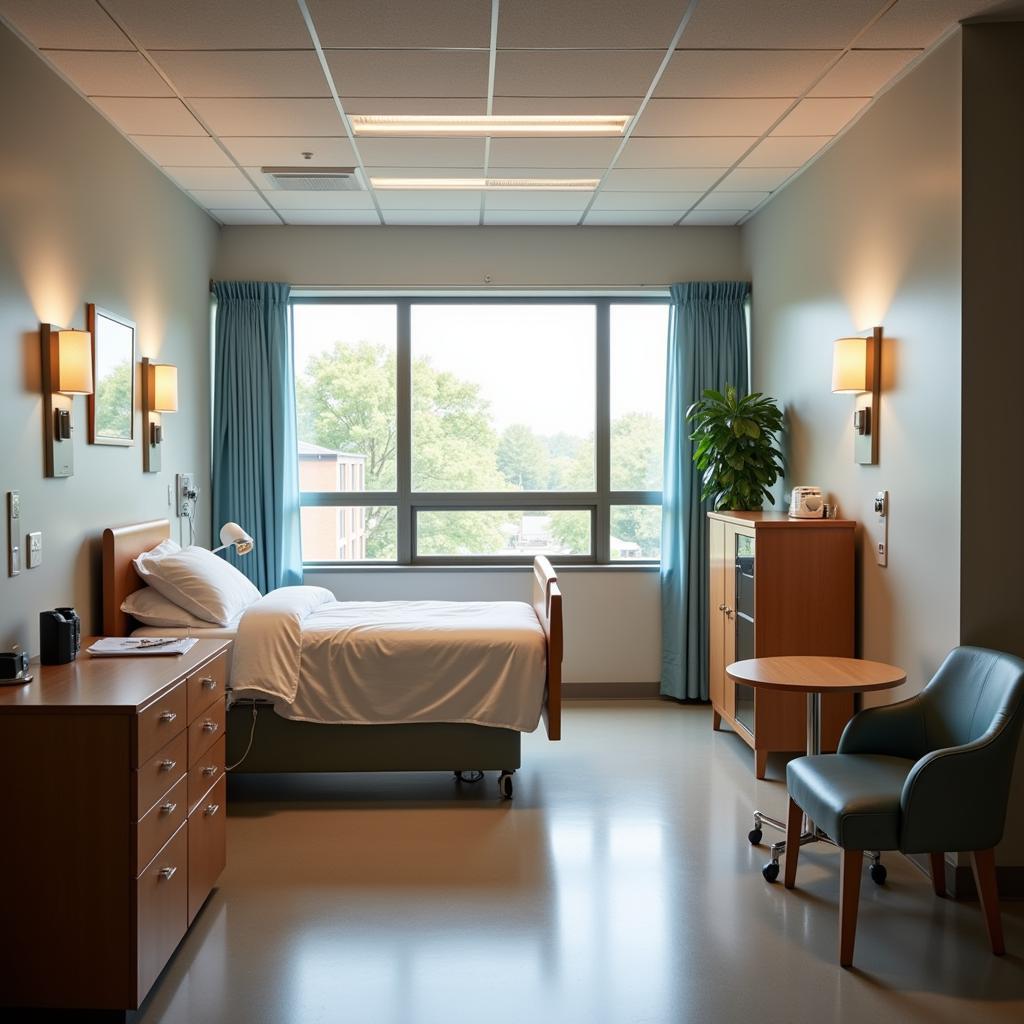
(67,371)
(231,534)
(159,395)
(857,370)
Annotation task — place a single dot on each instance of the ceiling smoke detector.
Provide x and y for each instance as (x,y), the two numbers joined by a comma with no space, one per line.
(313,179)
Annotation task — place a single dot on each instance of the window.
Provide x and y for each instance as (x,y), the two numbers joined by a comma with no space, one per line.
(480,430)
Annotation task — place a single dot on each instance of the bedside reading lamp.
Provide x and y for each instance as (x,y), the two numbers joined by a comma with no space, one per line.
(232,535)
(67,371)
(159,394)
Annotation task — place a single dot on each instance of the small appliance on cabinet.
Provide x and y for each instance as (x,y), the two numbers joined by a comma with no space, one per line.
(778,586)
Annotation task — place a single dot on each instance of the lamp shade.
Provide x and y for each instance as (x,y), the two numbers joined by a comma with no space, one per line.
(232,533)
(74,363)
(850,366)
(165,387)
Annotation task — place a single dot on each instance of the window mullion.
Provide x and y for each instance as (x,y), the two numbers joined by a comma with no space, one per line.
(602,435)
(404,426)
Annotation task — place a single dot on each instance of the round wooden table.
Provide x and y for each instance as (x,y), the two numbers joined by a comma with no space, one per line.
(813,676)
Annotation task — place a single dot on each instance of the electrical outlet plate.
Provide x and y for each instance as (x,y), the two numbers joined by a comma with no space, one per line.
(880,533)
(35,549)
(186,494)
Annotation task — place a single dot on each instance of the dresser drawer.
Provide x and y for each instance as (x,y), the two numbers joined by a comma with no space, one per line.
(159,773)
(160,723)
(204,731)
(160,823)
(206,685)
(161,901)
(207,770)
(207,846)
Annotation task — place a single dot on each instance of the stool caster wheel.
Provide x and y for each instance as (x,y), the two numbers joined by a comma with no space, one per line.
(878,873)
(505,785)
(770,871)
(755,835)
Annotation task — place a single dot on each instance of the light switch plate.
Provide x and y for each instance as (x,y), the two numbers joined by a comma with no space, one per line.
(13,533)
(35,549)
(880,533)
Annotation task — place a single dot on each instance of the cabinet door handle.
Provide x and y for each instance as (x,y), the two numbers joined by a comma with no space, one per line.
(728,613)
(167,873)
(168,766)
(167,808)
(209,726)
(209,770)
(211,810)
(168,716)
(721,607)
(208,683)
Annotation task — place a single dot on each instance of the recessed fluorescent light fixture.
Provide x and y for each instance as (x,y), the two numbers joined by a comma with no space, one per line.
(489,184)
(488,124)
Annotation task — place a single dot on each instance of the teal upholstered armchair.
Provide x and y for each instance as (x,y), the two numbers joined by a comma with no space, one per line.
(927,775)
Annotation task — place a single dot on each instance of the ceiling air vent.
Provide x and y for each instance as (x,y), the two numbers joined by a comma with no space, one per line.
(313,179)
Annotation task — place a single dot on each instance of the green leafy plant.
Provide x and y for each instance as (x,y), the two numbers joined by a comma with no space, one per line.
(736,449)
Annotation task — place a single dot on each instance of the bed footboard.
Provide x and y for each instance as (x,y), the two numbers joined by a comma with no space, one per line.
(547,603)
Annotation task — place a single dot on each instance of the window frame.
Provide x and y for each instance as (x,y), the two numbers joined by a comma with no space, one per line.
(409,503)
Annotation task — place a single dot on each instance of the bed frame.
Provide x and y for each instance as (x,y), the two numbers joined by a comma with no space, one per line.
(281,745)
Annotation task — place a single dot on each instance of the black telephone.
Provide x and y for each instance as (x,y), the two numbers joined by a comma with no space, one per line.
(60,635)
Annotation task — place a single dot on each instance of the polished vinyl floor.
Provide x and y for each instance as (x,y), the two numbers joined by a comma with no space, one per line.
(618,887)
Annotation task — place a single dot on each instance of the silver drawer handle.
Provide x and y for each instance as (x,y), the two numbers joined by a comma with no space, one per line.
(211,809)
(209,726)
(167,808)
(168,766)
(167,873)
(208,683)
(168,716)
(209,770)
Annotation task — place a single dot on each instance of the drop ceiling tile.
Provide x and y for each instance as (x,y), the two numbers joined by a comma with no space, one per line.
(228,199)
(530,218)
(324,217)
(538,200)
(459,218)
(499,171)
(667,179)
(709,117)
(412,105)
(556,152)
(756,179)
(402,23)
(820,116)
(200,25)
(575,72)
(678,201)
(391,171)
(424,199)
(589,23)
(919,23)
(863,72)
(283,117)
(109,73)
(684,152)
(285,200)
(444,73)
(64,25)
(209,178)
(742,73)
(251,151)
(631,218)
(149,116)
(792,24)
(567,105)
(263,216)
(413,153)
(182,151)
(246,73)
(714,218)
(732,200)
(786,152)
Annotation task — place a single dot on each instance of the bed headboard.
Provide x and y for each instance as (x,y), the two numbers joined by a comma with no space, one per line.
(122,544)
(547,603)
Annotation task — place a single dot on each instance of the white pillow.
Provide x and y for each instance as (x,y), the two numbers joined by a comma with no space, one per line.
(151,608)
(198,581)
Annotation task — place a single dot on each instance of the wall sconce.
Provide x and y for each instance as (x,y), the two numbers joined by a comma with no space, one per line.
(67,371)
(159,395)
(857,370)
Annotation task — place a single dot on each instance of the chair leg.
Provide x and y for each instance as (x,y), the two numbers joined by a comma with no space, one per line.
(760,763)
(794,826)
(939,873)
(851,866)
(983,864)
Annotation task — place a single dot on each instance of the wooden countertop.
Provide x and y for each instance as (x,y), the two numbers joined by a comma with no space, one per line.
(780,520)
(104,685)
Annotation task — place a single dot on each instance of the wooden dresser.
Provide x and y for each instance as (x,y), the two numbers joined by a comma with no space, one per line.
(112,798)
(778,586)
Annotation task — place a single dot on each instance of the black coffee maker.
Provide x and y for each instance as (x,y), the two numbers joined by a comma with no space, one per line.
(60,634)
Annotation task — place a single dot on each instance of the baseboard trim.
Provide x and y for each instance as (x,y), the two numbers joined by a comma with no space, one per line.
(960,879)
(610,691)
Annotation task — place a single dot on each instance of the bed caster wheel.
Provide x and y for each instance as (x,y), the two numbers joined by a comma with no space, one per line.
(505,785)
(770,871)
(878,873)
(470,777)
(755,835)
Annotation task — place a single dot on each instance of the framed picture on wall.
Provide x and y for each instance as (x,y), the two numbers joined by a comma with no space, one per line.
(112,403)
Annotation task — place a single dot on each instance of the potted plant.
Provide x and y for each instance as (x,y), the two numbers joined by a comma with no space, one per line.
(736,449)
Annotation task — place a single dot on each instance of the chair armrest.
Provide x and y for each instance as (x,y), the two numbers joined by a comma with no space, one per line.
(955,798)
(897,730)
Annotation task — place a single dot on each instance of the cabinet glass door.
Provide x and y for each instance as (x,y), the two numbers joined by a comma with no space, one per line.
(744,624)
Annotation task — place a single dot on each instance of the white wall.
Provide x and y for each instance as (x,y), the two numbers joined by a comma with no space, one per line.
(85,218)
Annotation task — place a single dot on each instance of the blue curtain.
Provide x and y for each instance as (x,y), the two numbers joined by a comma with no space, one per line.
(707,348)
(255,455)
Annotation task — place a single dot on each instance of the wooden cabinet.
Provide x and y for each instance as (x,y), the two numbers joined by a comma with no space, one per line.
(111,841)
(778,586)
